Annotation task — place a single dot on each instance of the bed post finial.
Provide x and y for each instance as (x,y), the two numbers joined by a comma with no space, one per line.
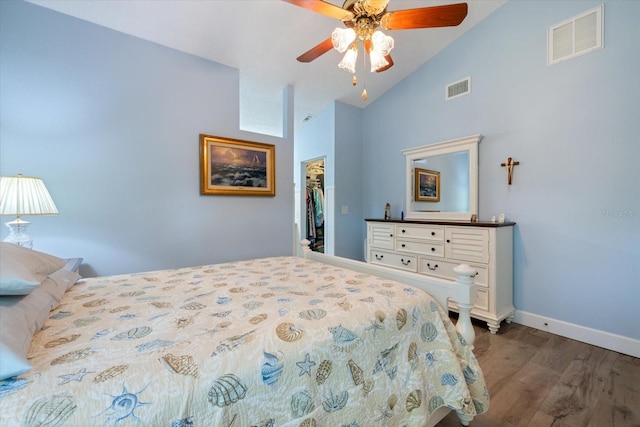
(304,246)
(465,274)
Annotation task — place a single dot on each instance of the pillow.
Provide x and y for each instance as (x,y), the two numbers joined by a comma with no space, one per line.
(22,269)
(22,317)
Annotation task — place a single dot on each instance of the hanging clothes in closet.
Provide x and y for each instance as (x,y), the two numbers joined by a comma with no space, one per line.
(315,212)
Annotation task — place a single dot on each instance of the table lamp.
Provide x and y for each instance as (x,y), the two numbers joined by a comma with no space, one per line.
(23,195)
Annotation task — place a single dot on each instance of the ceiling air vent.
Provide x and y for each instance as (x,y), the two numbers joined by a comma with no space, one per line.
(575,36)
(456,89)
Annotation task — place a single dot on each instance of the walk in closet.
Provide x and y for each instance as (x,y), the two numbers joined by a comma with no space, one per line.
(315,204)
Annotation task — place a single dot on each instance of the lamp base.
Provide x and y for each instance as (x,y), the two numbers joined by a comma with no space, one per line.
(18,233)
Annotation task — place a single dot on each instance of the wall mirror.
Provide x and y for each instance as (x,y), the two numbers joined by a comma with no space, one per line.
(442,180)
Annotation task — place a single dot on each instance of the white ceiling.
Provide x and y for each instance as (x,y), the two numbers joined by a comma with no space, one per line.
(262,38)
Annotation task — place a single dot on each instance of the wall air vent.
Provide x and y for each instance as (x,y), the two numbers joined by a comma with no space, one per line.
(575,36)
(456,89)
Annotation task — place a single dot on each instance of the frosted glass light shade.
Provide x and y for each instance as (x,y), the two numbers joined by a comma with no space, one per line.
(342,38)
(349,61)
(377,60)
(382,43)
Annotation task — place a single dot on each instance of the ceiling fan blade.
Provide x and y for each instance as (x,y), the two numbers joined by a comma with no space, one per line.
(386,67)
(323,8)
(425,17)
(316,51)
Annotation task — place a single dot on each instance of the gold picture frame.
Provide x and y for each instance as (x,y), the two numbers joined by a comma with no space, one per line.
(233,167)
(427,185)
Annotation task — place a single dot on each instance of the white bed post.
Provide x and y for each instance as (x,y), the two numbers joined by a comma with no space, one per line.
(465,274)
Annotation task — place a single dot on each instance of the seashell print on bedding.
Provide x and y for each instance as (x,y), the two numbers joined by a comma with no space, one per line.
(257,319)
(193,306)
(72,356)
(334,403)
(183,365)
(429,332)
(357,374)
(401,318)
(133,333)
(309,422)
(313,314)
(184,422)
(159,304)
(132,294)
(50,411)
(324,370)
(271,369)
(95,303)
(301,403)
(434,403)
(288,332)
(414,400)
(112,372)
(343,339)
(61,341)
(227,390)
(154,345)
(61,315)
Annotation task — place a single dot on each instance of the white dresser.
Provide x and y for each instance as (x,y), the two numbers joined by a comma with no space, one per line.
(434,248)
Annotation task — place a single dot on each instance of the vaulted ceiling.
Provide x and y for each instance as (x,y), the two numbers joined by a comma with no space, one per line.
(263,38)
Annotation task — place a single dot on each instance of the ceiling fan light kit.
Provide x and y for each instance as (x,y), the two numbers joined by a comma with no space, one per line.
(362,19)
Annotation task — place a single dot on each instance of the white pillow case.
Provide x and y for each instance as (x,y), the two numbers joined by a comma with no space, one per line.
(22,269)
(22,317)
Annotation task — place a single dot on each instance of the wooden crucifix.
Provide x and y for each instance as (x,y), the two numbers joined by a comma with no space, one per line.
(509,164)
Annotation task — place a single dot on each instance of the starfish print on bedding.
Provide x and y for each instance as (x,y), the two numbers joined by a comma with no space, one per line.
(306,365)
(78,376)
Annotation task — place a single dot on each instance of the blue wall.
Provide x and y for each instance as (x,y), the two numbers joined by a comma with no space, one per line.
(111,123)
(336,134)
(574,128)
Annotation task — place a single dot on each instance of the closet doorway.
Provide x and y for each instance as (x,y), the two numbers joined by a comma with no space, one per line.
(315,216)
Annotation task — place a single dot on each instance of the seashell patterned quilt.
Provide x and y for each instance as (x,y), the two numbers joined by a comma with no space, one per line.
(269,342)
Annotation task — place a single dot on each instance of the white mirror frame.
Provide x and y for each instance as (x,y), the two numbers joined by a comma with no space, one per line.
(470,144)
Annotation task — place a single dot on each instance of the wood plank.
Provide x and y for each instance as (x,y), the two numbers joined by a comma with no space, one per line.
(620,407)
(580,386)
(538,379)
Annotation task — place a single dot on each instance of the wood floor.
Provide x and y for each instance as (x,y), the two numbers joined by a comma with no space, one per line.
(539,379)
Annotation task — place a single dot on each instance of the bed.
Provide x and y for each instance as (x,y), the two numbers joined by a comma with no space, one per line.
(310,340)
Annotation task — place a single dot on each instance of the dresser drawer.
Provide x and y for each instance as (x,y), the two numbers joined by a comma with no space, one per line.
(420,247)
(467,244)
(420,232)
(390,259)
(444,269)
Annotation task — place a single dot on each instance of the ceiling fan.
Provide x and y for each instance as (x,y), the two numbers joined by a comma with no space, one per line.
(362,18)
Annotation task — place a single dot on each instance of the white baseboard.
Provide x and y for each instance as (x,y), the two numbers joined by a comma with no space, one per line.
(595,337)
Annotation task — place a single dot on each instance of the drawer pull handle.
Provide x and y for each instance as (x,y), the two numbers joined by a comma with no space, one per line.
(390,235)
(379,257)
(433,233)
(403,245)
(433,249)
(404,231)
(433,268)
(475,274)
(407,262)
(448,241)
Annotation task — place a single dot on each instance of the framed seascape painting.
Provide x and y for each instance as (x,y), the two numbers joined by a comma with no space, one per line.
(236,168)
(427,185)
